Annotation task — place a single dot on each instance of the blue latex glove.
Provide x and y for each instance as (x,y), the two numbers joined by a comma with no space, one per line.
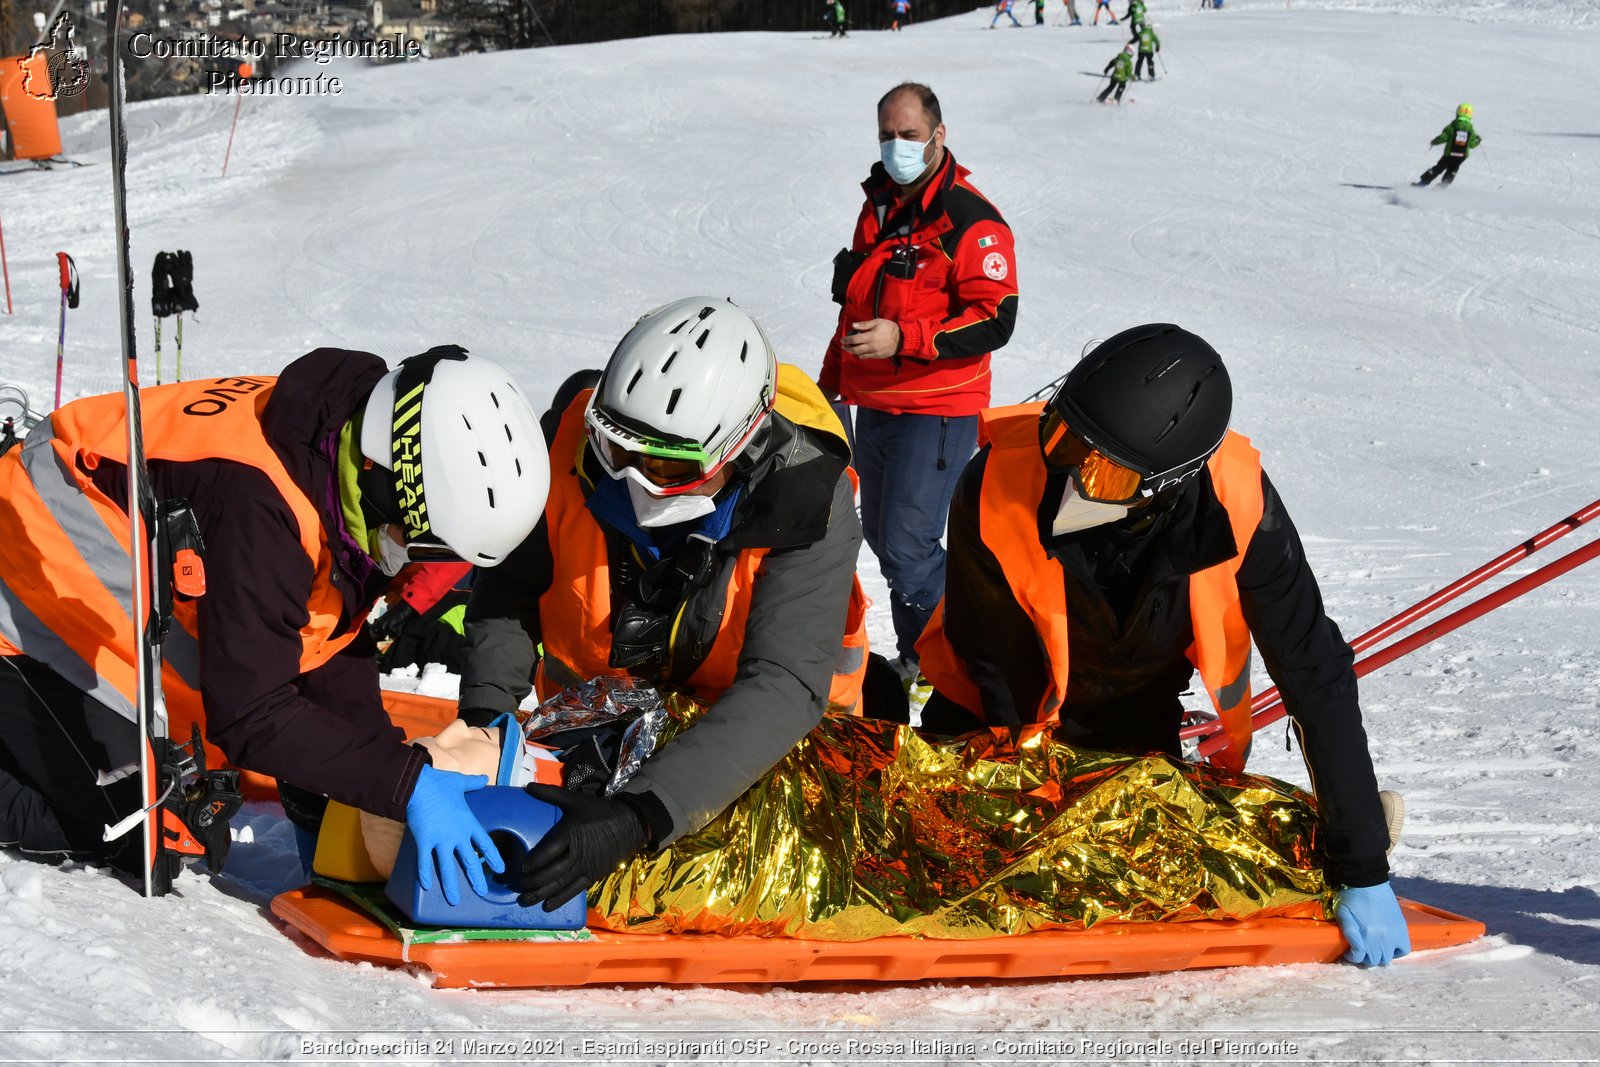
(1372,922)
(448,834)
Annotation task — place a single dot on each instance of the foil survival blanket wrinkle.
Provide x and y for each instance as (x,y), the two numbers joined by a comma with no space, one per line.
(867,830)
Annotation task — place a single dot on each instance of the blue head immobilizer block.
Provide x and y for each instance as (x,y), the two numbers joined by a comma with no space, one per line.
(516,822)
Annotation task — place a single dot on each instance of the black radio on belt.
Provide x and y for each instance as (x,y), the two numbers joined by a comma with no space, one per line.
(902,263)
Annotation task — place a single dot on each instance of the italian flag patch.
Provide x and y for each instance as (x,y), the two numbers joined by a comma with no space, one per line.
(985,242)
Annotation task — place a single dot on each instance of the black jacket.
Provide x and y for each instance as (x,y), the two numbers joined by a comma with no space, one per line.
(1127,587)
(324,731)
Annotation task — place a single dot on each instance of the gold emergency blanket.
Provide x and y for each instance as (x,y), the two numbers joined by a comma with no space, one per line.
(867,829)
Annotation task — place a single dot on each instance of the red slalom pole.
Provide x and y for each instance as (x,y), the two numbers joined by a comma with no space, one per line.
(1425,606)
(238,102)
(1432,632)
(4,269)
(69,299)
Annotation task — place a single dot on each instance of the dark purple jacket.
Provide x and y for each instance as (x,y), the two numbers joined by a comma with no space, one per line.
(324,731)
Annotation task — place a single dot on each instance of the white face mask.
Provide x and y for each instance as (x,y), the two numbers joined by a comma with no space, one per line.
(650,510)
(903,159)
(1076,513)
(391,557)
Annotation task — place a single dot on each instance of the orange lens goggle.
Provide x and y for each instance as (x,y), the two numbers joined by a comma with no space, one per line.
(1100,478)
(664,472)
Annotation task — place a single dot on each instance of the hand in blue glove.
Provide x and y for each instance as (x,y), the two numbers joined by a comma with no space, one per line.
(447,833)
(1372,922)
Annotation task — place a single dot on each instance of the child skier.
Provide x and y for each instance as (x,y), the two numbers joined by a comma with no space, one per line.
(1458,139)
(1149,45)
(1121,69)
(902,13)
(833,15)
(1003,7)
(1038,12)
(1135,18)
(1072,11)
(1104,5)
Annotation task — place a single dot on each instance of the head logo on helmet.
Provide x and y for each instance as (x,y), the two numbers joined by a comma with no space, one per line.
(1139,414)
(685,392)
(426,423)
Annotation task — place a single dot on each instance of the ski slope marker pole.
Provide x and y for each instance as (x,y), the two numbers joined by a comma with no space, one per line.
(238,102)
(1429,604)
(1428,634)
(4,269)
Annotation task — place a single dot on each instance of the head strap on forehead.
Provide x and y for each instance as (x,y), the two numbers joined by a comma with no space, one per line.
(406,436)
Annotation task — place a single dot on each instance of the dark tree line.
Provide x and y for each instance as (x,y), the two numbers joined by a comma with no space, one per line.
(581,21)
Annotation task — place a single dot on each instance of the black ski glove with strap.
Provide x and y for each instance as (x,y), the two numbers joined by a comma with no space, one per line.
(594,837)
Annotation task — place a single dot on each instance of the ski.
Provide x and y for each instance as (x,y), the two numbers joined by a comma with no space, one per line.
(186,808)
(142,546)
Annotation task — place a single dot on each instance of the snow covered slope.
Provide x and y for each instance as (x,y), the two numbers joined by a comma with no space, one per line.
(1417,366)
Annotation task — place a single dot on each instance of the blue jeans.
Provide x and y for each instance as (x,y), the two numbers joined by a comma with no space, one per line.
(909,465)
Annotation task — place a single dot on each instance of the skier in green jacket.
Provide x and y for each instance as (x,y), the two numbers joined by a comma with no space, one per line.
(833,14)
(1135,16)
(1121,69)
(1149,45)
(1458,138)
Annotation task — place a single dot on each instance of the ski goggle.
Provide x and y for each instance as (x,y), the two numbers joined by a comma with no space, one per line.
(1100,478)
(669,466)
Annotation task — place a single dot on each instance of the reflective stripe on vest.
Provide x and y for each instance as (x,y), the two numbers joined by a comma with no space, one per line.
(575,612)
(1013,485)
(65,571)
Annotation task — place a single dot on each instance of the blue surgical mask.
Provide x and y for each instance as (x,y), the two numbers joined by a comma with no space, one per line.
(903,159)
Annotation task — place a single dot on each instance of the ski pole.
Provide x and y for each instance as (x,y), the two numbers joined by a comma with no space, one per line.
(1429,604)
(1492,172)
(158,350)
(1162,62)
(179,371)
(1456,619)
(69,299)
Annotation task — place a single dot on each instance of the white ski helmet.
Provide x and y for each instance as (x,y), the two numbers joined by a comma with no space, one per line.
(686,389)
(468,458)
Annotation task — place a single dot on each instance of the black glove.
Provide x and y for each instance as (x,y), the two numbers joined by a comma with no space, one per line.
(392,621)
(594,836)
(163,300)
(183,281)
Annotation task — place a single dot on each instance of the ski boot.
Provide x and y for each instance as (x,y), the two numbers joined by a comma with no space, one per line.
(197,809)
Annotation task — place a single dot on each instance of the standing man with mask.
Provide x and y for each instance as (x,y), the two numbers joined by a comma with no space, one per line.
(1124,521)
(929,289)
(701,536)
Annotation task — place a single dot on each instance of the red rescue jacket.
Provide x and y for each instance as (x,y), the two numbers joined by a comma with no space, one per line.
(944,269)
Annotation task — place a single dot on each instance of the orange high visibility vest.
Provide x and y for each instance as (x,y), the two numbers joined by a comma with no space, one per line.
(1013,484)
(575,612)
(65,569)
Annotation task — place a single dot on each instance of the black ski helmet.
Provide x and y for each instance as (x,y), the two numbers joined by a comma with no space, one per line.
(1155,398)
